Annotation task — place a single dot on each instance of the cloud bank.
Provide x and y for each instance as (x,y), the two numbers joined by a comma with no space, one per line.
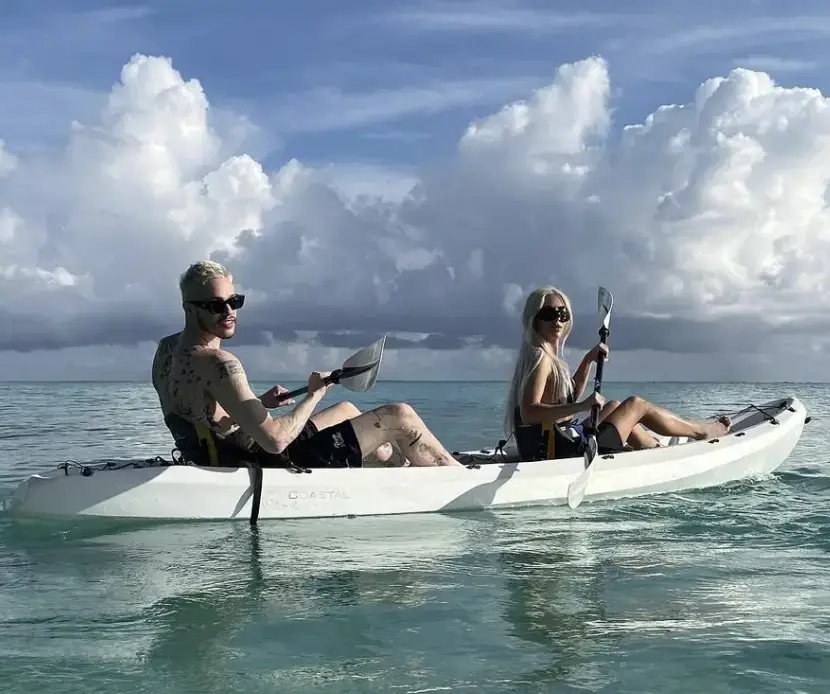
(708,221)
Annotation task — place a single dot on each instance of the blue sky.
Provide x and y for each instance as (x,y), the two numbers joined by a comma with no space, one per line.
(709,226)
(383,82)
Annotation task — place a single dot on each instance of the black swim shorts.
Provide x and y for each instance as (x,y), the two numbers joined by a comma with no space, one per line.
(335,446)
(609,439)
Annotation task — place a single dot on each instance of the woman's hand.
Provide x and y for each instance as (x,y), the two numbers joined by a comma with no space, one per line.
(600,348)
(593,399)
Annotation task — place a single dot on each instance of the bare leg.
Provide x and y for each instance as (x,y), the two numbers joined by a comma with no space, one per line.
(636,410)
(334,415)
(607,409)
(639,438)
(388,455)
(400,424)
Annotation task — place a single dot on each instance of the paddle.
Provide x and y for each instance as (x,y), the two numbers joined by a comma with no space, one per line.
(358,373)
(576,490)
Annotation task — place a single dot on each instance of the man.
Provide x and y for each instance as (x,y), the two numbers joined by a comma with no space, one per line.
(216,418)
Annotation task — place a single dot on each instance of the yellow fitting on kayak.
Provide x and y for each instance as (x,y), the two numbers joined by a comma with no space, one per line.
(205,437)
(548,427)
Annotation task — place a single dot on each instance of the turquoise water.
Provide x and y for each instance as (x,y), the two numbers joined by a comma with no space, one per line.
(718,591)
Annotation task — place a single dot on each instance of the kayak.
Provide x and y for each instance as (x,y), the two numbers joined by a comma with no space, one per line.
(761,439)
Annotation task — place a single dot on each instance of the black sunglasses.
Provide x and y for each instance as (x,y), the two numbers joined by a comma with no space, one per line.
(218,305)
(550,314)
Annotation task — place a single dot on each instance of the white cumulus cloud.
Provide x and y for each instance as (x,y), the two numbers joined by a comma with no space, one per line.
(708,221)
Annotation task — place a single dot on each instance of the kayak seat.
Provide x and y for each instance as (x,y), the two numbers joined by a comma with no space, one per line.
(548,441)
(198,445)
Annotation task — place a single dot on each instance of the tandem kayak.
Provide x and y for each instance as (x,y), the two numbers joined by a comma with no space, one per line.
(761,439)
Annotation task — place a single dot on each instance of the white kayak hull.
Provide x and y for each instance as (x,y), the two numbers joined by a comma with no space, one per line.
(758,445)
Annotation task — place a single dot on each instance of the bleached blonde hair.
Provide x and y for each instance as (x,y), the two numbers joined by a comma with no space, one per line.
(199,274)
(533,350)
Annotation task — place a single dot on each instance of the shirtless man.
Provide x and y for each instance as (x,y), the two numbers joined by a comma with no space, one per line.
(202,387)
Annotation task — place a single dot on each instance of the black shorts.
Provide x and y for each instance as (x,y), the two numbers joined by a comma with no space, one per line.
(335,446)
(609,439)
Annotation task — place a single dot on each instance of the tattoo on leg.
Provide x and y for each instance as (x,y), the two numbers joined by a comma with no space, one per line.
(398,459)
(407,435)
(430,452)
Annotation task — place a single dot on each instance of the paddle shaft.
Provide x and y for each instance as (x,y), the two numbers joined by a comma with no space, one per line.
(603,338)
(576,489)
(334,377)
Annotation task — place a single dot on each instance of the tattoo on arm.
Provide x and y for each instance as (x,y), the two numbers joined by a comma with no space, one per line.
(233,392)
(290,425)
(228,368)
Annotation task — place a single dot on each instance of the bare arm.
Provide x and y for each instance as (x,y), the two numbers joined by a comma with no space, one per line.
(534,411)
(228,383)
(580,379)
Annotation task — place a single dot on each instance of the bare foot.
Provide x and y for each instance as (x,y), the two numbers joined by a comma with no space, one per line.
(718,427)
(642,439)
(653,442)
(646,444)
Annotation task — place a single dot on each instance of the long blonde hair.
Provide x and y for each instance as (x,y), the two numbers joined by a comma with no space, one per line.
(533,350)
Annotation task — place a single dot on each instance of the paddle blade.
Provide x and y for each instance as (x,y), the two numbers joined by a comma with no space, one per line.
(359,371)
(605,302)
(366,364)
(576,489)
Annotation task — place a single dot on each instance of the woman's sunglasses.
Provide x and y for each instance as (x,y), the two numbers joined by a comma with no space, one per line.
(217,305)
(550,314)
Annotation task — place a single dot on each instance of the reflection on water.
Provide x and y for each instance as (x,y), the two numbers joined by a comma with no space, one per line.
(553,598)
(512,601)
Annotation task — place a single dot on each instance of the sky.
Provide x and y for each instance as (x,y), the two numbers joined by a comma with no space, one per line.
(414,169)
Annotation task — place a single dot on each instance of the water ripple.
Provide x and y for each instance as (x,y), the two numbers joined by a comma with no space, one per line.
(719,590)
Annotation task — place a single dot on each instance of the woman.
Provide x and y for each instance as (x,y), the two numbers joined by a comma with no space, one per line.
(543,392)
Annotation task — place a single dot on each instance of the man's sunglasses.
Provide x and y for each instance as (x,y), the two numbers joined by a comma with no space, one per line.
(549,314)
(217,305)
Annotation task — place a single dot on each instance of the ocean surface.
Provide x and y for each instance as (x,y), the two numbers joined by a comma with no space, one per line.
(718,591)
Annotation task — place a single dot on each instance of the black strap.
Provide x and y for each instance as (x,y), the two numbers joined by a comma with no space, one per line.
(256,471)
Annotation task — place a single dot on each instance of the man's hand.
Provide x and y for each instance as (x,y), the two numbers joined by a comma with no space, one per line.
(227,382)
(271,398)
(317,386)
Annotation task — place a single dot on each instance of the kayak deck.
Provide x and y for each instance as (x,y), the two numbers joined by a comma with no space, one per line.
(762,437)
